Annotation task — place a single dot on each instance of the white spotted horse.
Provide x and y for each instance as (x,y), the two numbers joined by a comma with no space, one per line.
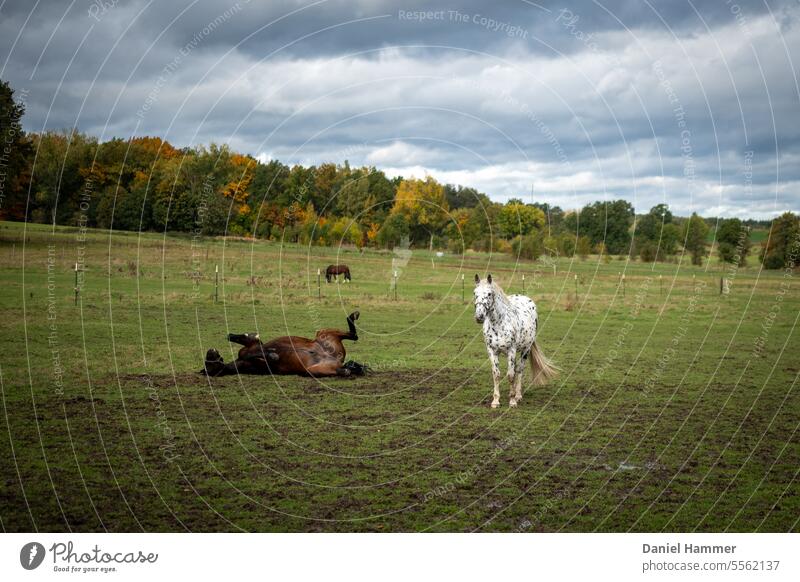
(322,356)
(510,324)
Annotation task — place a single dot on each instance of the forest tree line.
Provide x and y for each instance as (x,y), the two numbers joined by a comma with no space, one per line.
(146,184)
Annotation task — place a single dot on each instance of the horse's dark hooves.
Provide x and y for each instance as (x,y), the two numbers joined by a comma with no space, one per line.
(244,339)
(355,368)
(354,316)
(213,364)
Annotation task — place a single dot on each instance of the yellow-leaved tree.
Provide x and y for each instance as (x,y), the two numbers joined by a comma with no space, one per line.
(241,175)
(424,206)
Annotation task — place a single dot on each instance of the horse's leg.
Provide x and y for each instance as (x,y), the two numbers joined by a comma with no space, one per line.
(216,366)
(327,368)
(251,366)
(219,368)
(494,358)
(237,367)
(512,375)
(351,326)
(518,373)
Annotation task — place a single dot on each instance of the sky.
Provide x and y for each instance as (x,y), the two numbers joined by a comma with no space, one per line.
(695,104)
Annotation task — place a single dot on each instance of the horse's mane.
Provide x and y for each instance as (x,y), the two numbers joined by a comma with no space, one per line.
(498,289)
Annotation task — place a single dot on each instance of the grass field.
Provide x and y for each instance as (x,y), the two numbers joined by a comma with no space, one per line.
(677,408)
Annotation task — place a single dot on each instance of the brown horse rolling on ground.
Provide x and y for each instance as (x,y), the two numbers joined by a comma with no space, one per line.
(334,270)
(322,356)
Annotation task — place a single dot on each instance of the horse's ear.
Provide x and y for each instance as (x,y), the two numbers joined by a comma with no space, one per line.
(477,279)
(489,278)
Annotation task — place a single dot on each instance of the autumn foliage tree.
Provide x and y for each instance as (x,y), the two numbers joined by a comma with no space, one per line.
(518,219)
(423,205)
(146,183)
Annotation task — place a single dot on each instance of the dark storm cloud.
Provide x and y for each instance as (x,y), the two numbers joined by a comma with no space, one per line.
(647,100)
(385,23)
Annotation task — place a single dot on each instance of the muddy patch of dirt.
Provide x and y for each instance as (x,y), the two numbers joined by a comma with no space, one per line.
(162,380)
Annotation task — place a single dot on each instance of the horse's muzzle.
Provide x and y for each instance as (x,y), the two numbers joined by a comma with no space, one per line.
(479,318)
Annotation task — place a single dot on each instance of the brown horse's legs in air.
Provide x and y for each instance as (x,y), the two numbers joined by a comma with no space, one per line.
(351,326)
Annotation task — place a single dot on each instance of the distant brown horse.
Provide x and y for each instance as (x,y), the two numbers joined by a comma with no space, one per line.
(322,356)
(334,270)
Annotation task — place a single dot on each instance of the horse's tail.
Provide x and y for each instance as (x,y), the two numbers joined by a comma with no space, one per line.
(541,366)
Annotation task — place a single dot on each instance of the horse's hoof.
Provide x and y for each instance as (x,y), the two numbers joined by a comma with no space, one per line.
(512,403)
(355,315)
(495,405)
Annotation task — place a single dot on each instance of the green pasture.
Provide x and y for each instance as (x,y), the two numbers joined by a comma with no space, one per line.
(677,407)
